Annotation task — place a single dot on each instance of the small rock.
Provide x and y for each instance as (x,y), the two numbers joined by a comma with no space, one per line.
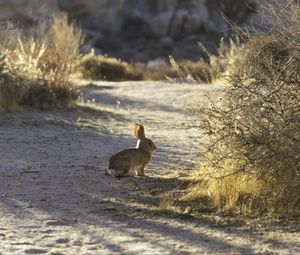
(63,240)
(35,251)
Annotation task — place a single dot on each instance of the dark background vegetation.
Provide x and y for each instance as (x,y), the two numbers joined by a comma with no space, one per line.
(135,30)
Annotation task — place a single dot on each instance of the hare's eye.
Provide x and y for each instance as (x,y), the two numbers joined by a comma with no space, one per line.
(149,143)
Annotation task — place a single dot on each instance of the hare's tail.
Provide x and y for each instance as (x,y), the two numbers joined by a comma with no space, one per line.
(110,172)
(107,172)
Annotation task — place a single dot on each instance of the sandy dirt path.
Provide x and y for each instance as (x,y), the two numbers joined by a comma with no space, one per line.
(56,199)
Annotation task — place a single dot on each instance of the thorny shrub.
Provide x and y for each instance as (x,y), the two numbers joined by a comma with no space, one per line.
(252,135)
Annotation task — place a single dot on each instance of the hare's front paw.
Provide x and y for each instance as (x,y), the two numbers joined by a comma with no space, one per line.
(140,173)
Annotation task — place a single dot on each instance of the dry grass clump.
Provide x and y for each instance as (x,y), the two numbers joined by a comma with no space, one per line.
(36,70)
(183,71)
(107,68)
(166,204)
(190,72)
(208,71)
(225,190)
(253,132)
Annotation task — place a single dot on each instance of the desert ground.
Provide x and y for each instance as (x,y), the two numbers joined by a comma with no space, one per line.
(56,199)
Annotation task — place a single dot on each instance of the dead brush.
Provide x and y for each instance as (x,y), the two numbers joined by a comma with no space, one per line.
(190,72)
(209,71)
(38,69)
(11,85)
(253,132)
(107,68)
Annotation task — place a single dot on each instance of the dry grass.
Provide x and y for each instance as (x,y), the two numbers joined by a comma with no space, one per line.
(166,204)
(209,71)
(159,73)
(252,135)
(182,71)
(107,68)
(191,72)
(226,191)
(36,70)
(111,69)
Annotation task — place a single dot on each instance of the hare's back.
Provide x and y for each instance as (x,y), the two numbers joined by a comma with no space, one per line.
(123,159)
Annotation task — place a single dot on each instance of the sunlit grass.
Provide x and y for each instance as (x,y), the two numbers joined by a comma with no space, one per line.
(212,70)
(225,190)
(166,204)
(107,69)
(36,70)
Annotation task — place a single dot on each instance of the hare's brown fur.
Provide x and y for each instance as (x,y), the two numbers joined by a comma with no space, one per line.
(132,161)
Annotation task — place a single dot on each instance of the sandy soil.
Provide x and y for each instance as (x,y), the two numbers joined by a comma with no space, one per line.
(56,199)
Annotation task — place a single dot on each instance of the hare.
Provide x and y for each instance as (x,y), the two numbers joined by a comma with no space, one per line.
(132,161)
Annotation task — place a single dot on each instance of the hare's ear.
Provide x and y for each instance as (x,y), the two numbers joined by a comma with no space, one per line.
(139,131)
